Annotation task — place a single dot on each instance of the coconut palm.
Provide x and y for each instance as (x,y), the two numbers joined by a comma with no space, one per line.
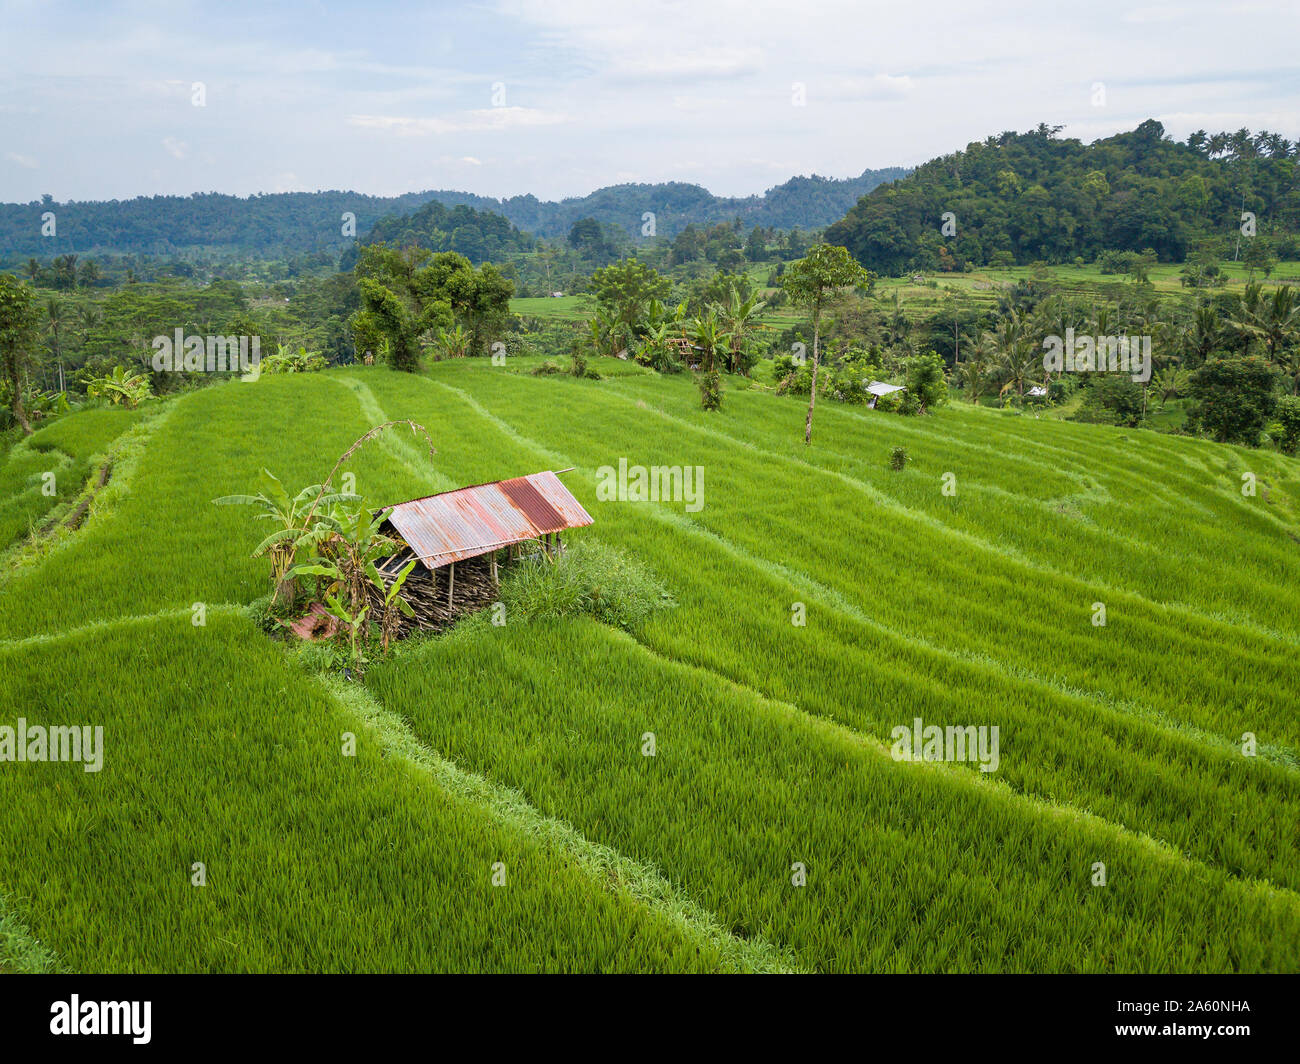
(1279,320)
(1017,360)
(55,320)
(1246,322)
(979,361)
(88,319)
(1206,333)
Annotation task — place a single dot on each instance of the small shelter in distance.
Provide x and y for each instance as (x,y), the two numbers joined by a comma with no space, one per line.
(460,538)
(876,389)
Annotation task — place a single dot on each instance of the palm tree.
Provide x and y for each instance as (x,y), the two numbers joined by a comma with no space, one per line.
(1246,321)
(978,364)
(54,320)
(1171,382)
(897,326)
(1279,320)
(1206,333)
(1016,359)
(710,338)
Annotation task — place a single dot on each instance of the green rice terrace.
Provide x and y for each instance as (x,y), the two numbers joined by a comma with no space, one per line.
(696,768)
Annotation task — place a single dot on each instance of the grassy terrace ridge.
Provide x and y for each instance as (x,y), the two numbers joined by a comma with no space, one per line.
(228,756)
(980,287)
(66,451)
(1119,744)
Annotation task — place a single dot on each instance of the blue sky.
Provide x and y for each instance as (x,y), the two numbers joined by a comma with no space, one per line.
(559,97)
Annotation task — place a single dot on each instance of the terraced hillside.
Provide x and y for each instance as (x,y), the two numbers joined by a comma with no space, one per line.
(515,753)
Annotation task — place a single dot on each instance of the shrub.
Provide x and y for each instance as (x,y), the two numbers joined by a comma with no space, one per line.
(264,615)
(1234,398)
(926,385)
(1112,400)
(711,390)
(898,458)
(1288,416)
(288,361)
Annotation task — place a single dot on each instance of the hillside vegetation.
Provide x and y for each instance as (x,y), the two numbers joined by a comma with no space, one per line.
(518,749)
(1020,198)
(291,223)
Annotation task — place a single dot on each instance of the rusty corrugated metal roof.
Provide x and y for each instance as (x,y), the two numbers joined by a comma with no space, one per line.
(467,522)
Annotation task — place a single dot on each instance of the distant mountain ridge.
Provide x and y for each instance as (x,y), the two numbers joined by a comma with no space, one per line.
(293,223)
(801,202)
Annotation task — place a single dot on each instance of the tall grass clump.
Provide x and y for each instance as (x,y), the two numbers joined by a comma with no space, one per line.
(589,578)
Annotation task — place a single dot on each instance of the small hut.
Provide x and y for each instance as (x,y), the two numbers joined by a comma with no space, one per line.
(461,538)
(877,389)
(690,353)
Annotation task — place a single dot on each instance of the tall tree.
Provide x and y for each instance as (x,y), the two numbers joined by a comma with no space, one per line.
(19,318)
(625,292)
(817,281)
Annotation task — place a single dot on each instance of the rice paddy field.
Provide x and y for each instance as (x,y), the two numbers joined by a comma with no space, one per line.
(501,812)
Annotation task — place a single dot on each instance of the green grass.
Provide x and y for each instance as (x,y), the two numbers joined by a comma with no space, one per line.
(1119,744)
(49,468)
(218,750)
(982,286)
(563,308)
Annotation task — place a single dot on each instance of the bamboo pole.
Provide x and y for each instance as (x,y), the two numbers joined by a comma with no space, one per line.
(451,584)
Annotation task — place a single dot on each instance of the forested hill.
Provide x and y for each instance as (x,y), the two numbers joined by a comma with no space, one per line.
(1032,196)
(481,236)
(274,224)
(801,202)
(288,223)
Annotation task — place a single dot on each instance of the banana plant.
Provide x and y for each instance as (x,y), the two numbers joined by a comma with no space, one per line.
(121,388)
(354,622)
(452,343)
(290,514)
(394,605)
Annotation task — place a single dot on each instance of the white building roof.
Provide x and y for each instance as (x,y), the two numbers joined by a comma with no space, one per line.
(881,388)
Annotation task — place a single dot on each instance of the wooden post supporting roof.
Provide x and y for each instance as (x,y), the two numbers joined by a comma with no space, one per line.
(451,584)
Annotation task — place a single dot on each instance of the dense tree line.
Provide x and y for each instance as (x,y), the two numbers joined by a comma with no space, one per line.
(290,223)
(274,224)
(1025,197)
(802,202)
(478,235)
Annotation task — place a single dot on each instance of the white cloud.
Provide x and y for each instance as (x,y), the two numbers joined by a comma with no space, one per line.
(25,161)
(288,182)
(700,90)
(487,119)
(876,87)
